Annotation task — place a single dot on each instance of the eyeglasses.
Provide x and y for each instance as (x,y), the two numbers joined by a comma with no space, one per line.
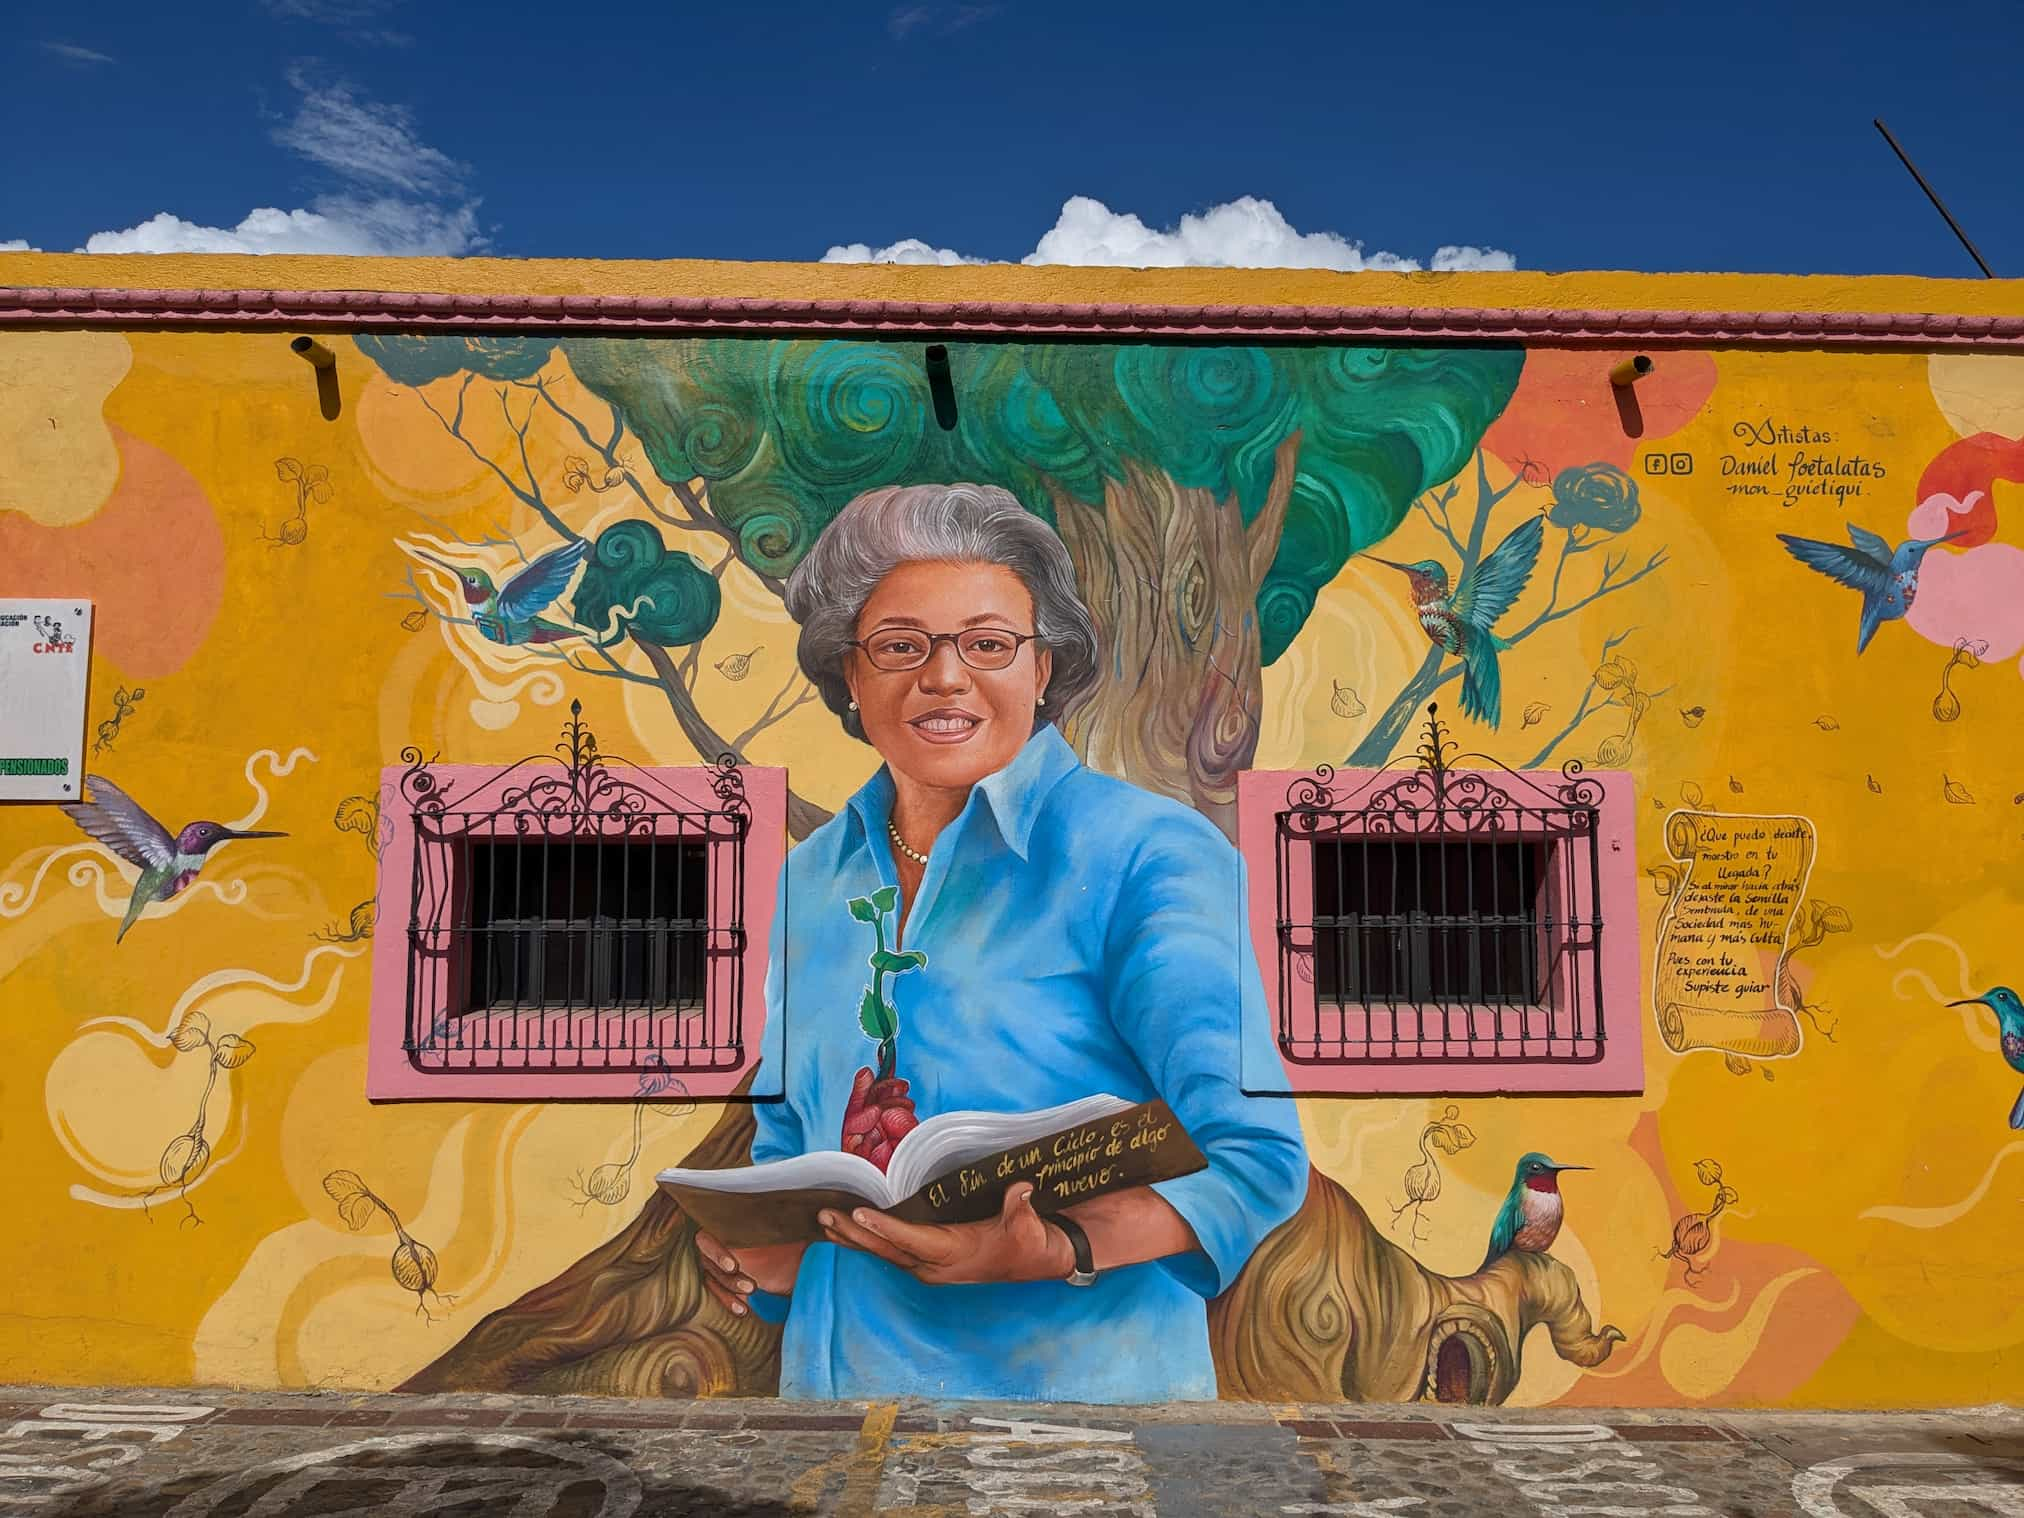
(900,648)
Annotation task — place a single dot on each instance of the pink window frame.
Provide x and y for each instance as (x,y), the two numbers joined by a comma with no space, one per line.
(391,1075)
(1262,796)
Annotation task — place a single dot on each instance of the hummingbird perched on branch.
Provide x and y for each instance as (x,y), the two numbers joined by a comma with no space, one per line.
(1887,577)
(1461,622)
(2009,1010)
(168,865)
(1529,1220)
(506,613)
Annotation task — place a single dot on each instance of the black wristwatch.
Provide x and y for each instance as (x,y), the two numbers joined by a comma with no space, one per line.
(1084,1273)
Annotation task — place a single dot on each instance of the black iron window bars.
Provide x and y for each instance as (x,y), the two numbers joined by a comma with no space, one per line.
(576,916)
(1441,914)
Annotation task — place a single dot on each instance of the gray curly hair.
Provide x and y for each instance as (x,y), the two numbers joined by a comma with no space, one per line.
(963,524)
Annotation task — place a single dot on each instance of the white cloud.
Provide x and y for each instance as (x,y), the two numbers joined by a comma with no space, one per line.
(359,227)
(395,195)
(944,19)
(908,250)
(365,142)
(70,52)
(1246,233)
(17,245)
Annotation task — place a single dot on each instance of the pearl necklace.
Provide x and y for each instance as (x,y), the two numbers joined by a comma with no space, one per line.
(900,843)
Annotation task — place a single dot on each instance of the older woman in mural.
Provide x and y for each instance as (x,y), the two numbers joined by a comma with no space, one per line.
(1081,936)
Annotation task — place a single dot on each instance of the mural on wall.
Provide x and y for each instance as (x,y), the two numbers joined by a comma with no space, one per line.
(1283,554)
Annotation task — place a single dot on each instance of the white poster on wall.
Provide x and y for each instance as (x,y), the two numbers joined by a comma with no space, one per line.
(45,659)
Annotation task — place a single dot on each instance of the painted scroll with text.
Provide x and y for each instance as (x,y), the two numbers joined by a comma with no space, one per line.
(1736,892)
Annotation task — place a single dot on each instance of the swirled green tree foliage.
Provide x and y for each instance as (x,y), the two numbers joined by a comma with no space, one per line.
(635,583)
(419,360)
(786,431)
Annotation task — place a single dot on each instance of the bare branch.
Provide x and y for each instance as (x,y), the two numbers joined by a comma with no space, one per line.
(770,716)
(1608,585)
(529,495)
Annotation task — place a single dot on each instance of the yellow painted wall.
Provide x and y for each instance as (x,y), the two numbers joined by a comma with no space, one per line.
(1867,1259)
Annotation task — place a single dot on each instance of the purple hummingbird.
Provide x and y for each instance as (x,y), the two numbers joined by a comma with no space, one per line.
(167,864)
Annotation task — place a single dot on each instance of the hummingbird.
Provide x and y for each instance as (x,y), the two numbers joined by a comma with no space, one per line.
(2009,1010)
(1461,622)
(1887,577)
(507,613)
(1529,1220)
(167,864)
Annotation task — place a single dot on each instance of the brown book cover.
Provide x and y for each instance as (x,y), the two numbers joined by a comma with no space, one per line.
(954,1168)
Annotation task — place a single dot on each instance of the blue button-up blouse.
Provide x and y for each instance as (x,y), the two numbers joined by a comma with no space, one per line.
(1082,936)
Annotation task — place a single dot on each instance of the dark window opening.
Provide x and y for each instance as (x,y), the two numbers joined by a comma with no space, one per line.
(585,923)
(1435,921)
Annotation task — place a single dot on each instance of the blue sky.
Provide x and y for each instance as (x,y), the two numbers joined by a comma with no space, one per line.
(1713,135)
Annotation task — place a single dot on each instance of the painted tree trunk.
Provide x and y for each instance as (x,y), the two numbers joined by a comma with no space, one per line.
(1171,576)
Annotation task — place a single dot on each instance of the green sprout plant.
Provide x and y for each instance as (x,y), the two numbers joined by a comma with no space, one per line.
(876,1013)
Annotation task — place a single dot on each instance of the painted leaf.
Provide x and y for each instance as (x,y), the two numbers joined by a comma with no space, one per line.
(1735,1064)
(1708,1172)
(897,964)
(1442,1140)
(192,1032)
(1640,703)
(354,1202)
(874,1017)
(1691,794)
(1345,702)
(414,620)
(1835,919)
(1735,785)
(232,1051)
(862,909)
(1464,1135)
(885,898)
(287,469)
(1826,724)
(1955,792)
(1533,713)
(1871,781)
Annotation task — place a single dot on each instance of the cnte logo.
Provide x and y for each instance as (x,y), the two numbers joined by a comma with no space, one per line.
(51,639)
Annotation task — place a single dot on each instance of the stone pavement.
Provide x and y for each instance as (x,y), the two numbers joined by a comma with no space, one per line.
(156,1453)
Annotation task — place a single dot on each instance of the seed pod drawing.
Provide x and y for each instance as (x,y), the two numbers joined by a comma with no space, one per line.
(1966,655)
(1345,702)
(1694,1232)
(185,1156)
(1693,716)
(1422,1180)
(414,1265)
(1956,793)
(736,666)
(1533,713)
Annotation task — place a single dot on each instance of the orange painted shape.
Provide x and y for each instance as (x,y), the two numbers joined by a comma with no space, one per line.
(152,558)
(1566,412)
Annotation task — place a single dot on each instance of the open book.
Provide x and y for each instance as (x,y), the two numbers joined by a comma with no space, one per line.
(954,1168)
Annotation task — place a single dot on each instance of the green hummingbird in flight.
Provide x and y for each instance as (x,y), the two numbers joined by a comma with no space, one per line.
(1462,621)
(507,614)
(1529,1220)
(168,863)
(2009,1010)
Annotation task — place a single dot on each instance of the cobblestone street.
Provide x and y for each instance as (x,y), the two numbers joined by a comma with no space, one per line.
(153,1454)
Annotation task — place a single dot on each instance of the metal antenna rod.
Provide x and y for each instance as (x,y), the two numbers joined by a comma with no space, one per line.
(1933,195)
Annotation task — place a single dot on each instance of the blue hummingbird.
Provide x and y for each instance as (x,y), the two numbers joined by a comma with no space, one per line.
(1887,577)
(168,865)
(1529,1220)
(2009,1010)
(1461,623)
(508,613)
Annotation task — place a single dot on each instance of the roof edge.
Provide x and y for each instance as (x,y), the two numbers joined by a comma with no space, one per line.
(352,310)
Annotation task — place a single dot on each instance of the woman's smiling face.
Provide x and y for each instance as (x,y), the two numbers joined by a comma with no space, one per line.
(946,725)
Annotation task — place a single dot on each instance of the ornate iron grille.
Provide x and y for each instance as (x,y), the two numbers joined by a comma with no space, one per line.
(1445,914)
(576,916)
